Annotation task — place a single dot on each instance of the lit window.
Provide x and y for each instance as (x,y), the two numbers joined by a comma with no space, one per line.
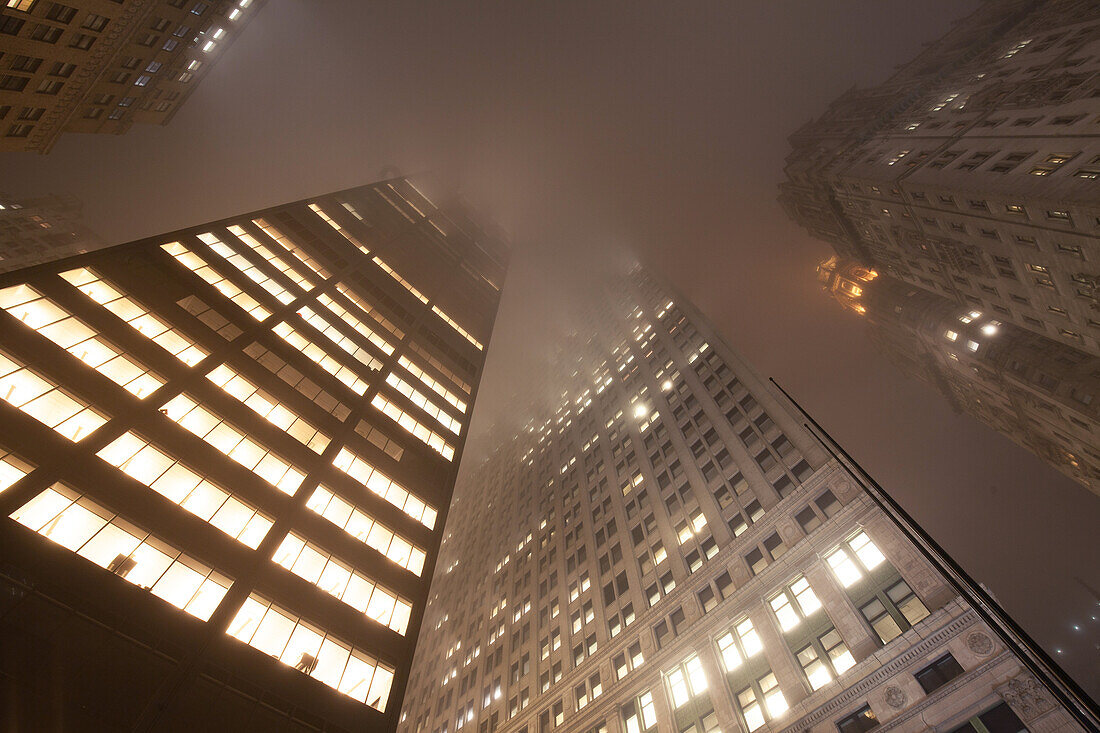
(365,529)
(312,651)
(268,407)
(335,225)
(421,401)
(405,283)
(413,426)
(200,267)
(177,483)
(462,331)
(136,316)
(309,562)
(739,644)
(12,469)
(46,402)
(291,248)
(378,483)
(95,533)
(435,385)
(843,563)
(272,258)
(640,714)
(50,320)
(333,334)
(194,418)
(319,356)
(686,681)
(795,603)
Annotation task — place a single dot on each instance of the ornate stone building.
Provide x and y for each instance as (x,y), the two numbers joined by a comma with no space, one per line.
(974,170)
(1041,393)
(666,547)
(226,458)
(102,65)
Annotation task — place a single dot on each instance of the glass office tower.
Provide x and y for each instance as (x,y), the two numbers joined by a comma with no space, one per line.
(228,453)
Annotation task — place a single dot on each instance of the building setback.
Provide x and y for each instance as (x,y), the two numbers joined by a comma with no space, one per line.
(666,547)
(102,65)
(235,442)
(39,230)
(974,170)
(1040,393)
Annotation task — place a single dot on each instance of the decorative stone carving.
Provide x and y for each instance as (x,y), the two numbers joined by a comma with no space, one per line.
(896,697)
(979,643)
(1026,697)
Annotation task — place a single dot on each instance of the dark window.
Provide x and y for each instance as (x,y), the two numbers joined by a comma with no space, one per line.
(938,673)
(808,519)
(1000,719)
(861,720)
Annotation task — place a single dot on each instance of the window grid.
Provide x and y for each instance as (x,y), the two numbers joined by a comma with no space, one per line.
(46,402)
(414,427)
(266,406)
(333,334)
(78,524)
(292,249)
(162,473)
(320,357)
(272,258)
(246,268)
(366,529)
(378,483)
(55,323)
(190,415)
(200,267)
(310,650)
(313,564)
(136,316)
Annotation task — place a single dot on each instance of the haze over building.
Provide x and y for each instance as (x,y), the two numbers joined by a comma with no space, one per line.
(665,546)
(102,65)
(234,442)
(42,229)
(972,172)
(1040,393)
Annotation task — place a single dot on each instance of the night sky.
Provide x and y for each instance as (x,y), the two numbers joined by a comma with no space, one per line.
(586,130)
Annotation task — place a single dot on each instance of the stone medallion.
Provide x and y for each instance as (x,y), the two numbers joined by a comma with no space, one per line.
(979,643)
(896,697)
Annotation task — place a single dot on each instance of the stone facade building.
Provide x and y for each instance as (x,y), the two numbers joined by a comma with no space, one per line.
(666,547)
(1040,393)
(102,65)
(226,458)
(974,170)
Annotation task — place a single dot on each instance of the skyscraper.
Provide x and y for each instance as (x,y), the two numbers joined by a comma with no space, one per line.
(42,229)
(228,453)
(1040,393)
(972,171)
(102,65)
(666,547)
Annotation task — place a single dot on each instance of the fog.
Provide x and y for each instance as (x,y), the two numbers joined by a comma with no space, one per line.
(587,128)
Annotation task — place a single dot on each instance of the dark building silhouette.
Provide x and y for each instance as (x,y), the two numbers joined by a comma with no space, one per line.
(973,170)
(228,454)
(1040,393)
(42,229)
(666,547)
(102,65)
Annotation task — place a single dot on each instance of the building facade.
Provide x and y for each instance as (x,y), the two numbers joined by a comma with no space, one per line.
(973,170)
(1042,394)
(102,65)
(666,547)
(228,453)
(43,229)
